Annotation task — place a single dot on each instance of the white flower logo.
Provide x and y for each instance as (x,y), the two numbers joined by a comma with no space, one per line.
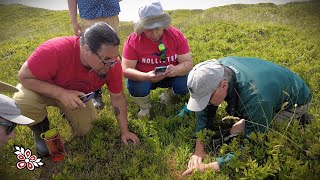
(26,158)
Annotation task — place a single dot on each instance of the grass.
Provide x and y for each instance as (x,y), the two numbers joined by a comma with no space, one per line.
(286,34)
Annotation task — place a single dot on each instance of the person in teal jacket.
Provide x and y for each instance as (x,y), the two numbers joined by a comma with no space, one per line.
(255,91)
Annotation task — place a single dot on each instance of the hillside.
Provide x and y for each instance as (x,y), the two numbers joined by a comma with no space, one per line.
(286,34)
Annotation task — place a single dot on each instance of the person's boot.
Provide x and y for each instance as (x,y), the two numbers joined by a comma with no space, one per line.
(166,96)
(37,129)
(306,119)
(144,104)
(221,137)
(97,99)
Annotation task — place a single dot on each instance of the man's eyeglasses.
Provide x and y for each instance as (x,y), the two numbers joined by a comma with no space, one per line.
(10,126)
(212,95)
(106,61)
(163,54)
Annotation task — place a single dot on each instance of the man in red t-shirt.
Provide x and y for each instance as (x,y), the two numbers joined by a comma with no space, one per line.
(63,69)
(91,12)
(153,44)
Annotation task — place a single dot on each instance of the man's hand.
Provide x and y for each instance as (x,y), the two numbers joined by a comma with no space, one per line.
(129,136)
(76,28)
(118,102)
(71,100)
(202,167)
(196,159)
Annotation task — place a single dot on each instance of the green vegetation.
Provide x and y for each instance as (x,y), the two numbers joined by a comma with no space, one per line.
(287,35)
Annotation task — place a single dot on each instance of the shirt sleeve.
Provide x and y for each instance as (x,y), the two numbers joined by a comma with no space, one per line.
(258,117)
(114,82)
(183,46)
(205,118)
(129,50)
(43,62)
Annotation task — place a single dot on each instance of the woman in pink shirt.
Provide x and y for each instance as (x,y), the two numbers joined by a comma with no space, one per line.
(153,44)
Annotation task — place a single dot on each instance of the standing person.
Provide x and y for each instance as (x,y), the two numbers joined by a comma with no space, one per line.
(61,70)
(155,43)
(10,115)
(90,12)
(255,91)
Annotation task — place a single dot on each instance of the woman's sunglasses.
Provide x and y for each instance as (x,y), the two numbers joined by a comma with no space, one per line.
(10,126)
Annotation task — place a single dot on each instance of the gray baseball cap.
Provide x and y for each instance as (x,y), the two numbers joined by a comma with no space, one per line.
(203,79)
(10,111)
(7,88)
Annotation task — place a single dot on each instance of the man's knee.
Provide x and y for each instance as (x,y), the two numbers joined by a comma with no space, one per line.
(82,131)
(81,120)
(30,105)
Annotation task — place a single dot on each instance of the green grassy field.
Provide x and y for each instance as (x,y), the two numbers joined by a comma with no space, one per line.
(287,35)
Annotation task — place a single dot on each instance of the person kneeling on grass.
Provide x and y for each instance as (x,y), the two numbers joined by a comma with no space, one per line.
(63,69)
(255,91)
(10,115)
(90,12)
(155,55)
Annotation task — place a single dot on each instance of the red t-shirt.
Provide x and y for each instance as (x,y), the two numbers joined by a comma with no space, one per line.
(139,47)
(58,61)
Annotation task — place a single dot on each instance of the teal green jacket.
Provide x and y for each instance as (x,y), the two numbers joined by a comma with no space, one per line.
(256,93)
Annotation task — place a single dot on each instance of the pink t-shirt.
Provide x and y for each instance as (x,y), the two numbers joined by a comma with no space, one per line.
(139,47)
(58,61)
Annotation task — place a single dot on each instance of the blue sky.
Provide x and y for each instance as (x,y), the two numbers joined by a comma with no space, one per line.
(129,8)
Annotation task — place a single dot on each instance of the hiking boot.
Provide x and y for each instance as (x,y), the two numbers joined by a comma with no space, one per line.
(144,113)
(144,104)
(306,119)
(38,129)
(166,96)
(221,137)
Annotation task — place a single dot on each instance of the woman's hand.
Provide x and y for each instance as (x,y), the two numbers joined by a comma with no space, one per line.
(153,77)
(171,71)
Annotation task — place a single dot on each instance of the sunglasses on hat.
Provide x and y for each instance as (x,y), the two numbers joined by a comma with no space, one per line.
(162,49)
(10,126)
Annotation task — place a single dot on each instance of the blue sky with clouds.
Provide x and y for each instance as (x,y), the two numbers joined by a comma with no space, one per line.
(129,8)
